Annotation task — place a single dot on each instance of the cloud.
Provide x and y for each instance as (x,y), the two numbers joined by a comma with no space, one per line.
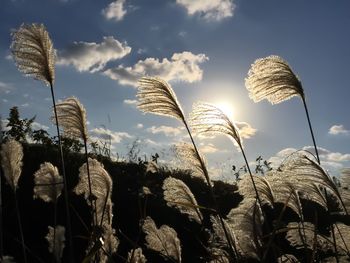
(208,148)
(338,129)
(3,124)
(38,126)
(106,134)
(166,130)
(90,56)
(130,102)
(5,87)
(182,66)
(115,10)
(139,126)
(211,10)
(245,130)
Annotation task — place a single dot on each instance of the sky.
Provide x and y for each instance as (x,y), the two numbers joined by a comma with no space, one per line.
(204,49)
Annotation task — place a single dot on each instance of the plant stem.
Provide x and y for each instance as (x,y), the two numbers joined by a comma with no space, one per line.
(65,186)
(1,234)
(20,227)
(233,249)
(250,174)
(92,202)
(310,127)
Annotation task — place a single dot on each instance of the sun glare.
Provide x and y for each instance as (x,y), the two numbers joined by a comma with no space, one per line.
(226,108)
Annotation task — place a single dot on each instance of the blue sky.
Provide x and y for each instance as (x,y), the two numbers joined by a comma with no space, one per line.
(204,48)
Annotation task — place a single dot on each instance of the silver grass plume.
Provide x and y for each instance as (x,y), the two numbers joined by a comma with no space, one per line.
(48,183)
(263,186)
(156,96)
(11,162)
(71,116)
(8,259)
(163,240)
(56,246)
(110,243)
(218,239)
(152,167)
(272,79)
(342,237)
(218,255)
(136,256)
(307,176)
(246,221)
(178,195)
(287,258)
(207,118)
(101,184)
(191,160)
(285,191)
(345,187)
(299,236)
(33,52)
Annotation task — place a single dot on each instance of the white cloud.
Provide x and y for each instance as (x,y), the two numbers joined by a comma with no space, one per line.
(38,126)
(90,56)
(338,129)
(139,126)
(25,105)
(5,87)
(182,66)
(106,134)
(211,10)
(115,10)
(208,148)
(245,130)
(130,102)
(3,124)
(166,130)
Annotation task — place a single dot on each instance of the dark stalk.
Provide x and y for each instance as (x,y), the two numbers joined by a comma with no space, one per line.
(92,201)
(65,186)
(233,249)
(20,228)
(310,127)
(1,234)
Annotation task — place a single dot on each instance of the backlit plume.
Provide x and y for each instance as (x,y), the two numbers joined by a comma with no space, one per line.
(33,52)
(271,78)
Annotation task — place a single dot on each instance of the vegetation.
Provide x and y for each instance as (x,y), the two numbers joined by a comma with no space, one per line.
(76,205)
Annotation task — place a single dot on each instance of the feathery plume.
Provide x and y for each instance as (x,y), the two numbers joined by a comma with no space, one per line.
(263,186)
(218,255)
(178,195)
(110,242)
(300,236)
(307,176)
(71,116)
(287,258)
(207,118)
(342,237)
(136,256)
(164,240)
(217,239)
(156,96)
(190,159)
(271,78)
(345,187)
(11,162)
(8,259)
(246,221)
(101,185)
(33,52)
(48,184)
(152,167)
(56,246)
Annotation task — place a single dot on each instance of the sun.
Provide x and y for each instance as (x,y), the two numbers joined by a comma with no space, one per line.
(226,108)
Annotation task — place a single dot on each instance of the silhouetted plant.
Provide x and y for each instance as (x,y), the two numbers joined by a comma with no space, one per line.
(34,55)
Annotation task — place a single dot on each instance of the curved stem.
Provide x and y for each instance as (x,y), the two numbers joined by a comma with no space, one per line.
(251,175)
(310,127)
(20,228)
(65,186)
(233,249)
(92,202)
(1,232)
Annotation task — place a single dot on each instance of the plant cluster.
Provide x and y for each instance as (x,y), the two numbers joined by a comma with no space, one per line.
(296,213)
